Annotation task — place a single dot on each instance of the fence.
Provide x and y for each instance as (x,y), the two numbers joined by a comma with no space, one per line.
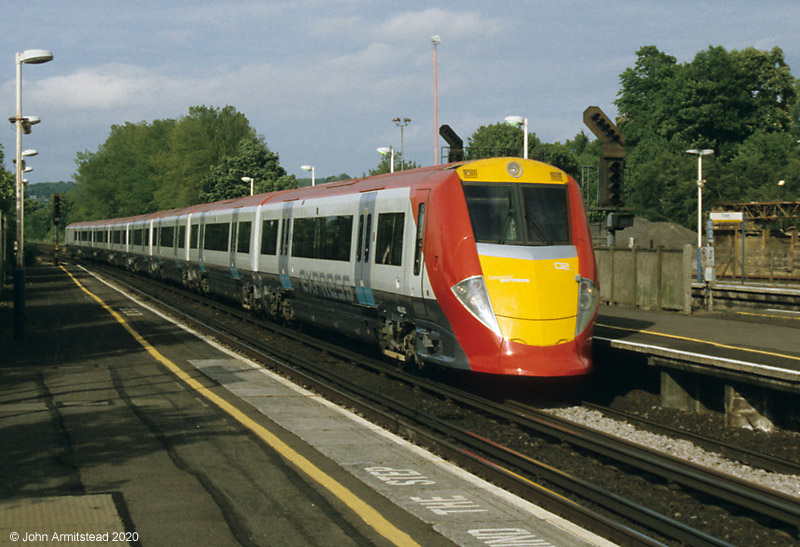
(657,279)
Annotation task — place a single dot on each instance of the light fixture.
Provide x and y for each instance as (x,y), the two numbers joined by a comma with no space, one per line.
(519,121)
(23,125)
(388,151)
(310,168)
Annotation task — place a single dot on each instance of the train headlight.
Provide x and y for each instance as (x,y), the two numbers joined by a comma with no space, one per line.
(588,300)
(472,294)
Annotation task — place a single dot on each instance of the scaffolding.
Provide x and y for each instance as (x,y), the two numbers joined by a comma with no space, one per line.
(770,250)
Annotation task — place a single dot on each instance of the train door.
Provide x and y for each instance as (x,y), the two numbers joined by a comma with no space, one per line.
(416,275)
(284,244)
(362,274)
(234,238)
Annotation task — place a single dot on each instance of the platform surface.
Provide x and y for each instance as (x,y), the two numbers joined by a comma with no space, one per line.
(115,419)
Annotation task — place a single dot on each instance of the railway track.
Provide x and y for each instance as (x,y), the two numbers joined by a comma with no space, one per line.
(438,423)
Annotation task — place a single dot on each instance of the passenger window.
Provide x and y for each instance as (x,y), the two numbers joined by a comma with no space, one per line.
(367,237)
(217,236)
(269,237)
(193,236)
(243,237)
(360,241)
(389,244)
(418,239)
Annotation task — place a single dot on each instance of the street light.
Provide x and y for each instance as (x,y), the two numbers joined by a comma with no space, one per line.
(250,180)
(384,150)
(401,123)
(31,57)
(699,154)
(435,40)
(309,168)
(516,121)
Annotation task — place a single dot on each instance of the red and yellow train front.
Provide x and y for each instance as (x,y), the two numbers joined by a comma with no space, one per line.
(533,296)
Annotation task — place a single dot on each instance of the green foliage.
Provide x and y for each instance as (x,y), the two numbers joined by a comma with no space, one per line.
(121,177)
(43,190)
(384,167)
(200,140)
(742,104)
(253,159)
(332,178)
(165,164)
(500,139)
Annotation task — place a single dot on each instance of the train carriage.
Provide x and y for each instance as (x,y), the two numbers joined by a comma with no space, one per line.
(483,265)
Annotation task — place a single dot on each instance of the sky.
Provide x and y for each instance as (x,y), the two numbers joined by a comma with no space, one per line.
(321,80)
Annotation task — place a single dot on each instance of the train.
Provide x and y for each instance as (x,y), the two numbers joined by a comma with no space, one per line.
(481,265)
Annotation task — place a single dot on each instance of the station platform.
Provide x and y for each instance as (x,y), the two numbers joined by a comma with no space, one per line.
(754,342)
(744,364)
(119,424)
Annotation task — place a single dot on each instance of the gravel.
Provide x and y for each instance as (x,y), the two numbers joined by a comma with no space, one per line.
(679,448)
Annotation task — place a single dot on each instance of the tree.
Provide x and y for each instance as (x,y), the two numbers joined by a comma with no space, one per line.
(743,104)
(497,140)
(383,165)
(198,141)
(255,160)
(164,164)
(121,177)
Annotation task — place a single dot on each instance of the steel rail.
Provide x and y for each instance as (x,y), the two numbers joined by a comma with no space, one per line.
(747,456)
(476,444)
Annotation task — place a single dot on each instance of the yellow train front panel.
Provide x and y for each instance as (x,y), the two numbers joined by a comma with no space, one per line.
(534,292)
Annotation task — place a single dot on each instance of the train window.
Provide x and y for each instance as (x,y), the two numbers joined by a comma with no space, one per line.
(167,236)
(367,237)
(418,239)
(528,214)
(389,244)
(285,237)
(193,235)
(335,236)
(217,236)
(116,237)
(146,241)
(360,240)
(137,236)
(303,237)
(243,237)
(328,238)
(546,216)
(181,236)
(156,231)
(269,237)
(494,212)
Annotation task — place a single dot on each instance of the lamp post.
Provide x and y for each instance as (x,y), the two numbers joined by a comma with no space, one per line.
(251,181)
(699,154)
(309,168)
(435,40)
(31,57)
(384,150)
(401,123)
(516,121)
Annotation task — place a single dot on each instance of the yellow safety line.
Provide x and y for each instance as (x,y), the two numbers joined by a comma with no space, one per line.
(710,343)
(367,513)
(769,315)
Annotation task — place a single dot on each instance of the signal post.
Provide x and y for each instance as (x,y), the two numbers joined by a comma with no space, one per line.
(611,174)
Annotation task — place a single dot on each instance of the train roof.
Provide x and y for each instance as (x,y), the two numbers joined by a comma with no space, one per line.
(404,179)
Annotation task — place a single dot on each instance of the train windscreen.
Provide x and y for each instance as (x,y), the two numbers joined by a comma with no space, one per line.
(518,214)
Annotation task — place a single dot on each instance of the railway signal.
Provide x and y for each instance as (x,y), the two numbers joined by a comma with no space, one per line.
(57,210)
(611,181)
